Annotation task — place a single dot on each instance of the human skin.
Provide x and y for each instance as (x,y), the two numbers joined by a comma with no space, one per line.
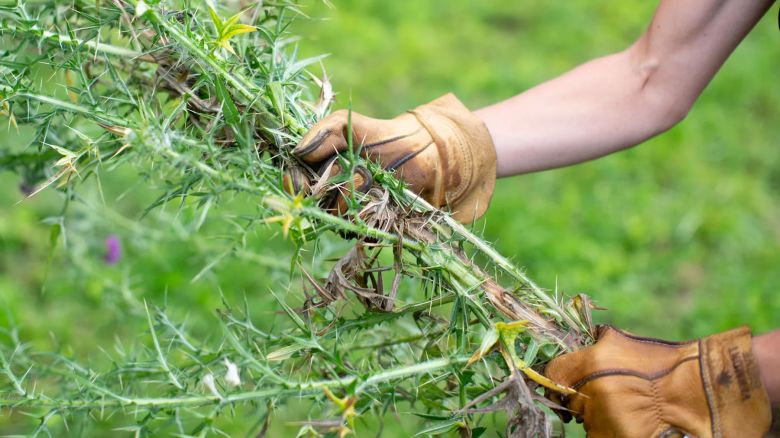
(766,349)
(620,100)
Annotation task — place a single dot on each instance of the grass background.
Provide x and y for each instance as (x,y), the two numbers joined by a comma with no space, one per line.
(678,238)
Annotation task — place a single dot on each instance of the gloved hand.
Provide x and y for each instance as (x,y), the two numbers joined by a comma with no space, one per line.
(441,150)
(630,386)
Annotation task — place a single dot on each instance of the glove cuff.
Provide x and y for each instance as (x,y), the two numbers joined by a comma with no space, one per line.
(467,176)
(737,399)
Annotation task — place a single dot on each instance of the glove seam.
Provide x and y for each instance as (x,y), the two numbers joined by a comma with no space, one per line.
(365,147)
(613,372)
(660,424)
(439,177)
(466,165)
(403,159)
(652,340)
(469,165)
(707,383)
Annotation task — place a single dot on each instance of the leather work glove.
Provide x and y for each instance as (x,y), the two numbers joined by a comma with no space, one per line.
(441,150)
(629,386)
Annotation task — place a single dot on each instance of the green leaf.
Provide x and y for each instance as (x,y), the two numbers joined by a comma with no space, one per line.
(291,313)
(488,341)
(531,351)
(303,63)
(284,353)
(228,29)
(233,19)
(229,109)
(432,416)
(276,94)
(225,44)
(441,428)
(237,29)
(216,20)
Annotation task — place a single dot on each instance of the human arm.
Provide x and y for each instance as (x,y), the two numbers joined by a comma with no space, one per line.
(766,348)
(618,101)
(600,107)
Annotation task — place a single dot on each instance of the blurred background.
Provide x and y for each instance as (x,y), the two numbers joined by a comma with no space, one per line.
(678,237)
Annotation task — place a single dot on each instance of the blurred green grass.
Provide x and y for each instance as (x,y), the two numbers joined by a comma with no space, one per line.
(678,238)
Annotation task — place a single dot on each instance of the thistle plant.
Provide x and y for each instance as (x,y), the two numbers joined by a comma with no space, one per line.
(206,102)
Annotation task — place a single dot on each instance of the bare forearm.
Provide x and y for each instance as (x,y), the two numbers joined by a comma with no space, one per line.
(766,348)
(596,109)
(620,100)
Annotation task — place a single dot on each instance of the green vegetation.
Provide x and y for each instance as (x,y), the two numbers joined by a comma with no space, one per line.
(677,238)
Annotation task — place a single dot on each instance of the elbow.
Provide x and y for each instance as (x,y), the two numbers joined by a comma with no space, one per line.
(670,113)
(665,101)
(664,104)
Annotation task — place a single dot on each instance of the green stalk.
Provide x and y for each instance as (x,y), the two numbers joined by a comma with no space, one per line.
(498,260)
(304,388)
(6,368)
(59,39)
(74,108)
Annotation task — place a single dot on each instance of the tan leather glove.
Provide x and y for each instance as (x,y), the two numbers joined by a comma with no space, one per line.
(639,387)
(441,150)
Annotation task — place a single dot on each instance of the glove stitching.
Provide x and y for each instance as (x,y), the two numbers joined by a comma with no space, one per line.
(406,157)
(720,369)
(437,196)
(467,170)
(631,373)
(706,380)
(657,406)
(651,340)
(391,139)
(465,165)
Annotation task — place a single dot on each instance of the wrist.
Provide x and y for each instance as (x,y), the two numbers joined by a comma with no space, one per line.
(766,349)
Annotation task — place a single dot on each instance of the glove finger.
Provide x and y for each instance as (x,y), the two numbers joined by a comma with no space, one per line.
(329,136)
(322,141)
(569,368)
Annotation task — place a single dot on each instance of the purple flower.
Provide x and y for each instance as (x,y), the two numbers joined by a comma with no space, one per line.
(113,250)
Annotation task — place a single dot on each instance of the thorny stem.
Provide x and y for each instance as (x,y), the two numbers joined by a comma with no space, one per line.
(497,259)
(303,388)
(59,39)
(160,355)
(11,376)
(78,109)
